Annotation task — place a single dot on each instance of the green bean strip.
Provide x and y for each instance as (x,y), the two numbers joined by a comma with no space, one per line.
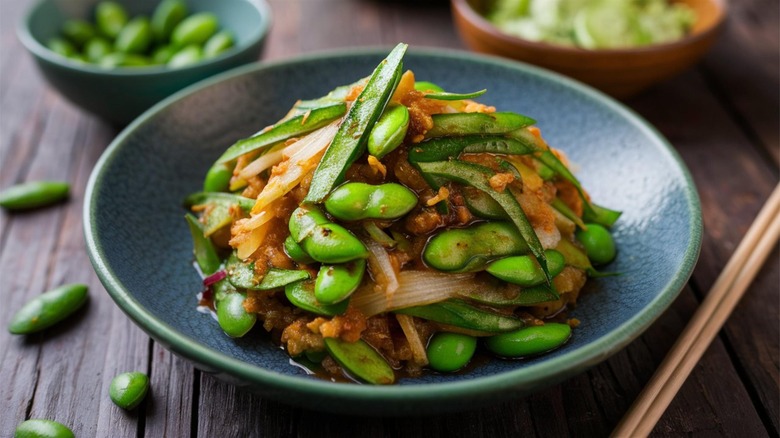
(444,95)
(205,254)
(242,275)
(285,130)
(361,360)
(444,148)
(478,177)
(457,124)
(460,314)
(600,215)
(523,297)
(350,140)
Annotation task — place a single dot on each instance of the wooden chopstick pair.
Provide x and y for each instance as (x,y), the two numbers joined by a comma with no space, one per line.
(705,323)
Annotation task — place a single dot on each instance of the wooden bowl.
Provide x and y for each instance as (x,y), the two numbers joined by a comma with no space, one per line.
(618,72)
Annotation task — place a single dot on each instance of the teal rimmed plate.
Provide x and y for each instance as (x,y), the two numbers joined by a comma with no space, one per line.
(141,250)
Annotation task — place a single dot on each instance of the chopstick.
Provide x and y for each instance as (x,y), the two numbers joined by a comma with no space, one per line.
(705,323)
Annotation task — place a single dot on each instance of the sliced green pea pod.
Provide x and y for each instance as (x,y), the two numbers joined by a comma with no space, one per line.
(166,16)
(218,214)
(389,131)
(111,17)
(350,139)
(458,124)
(39,428)
(232,317)
(524,270)
(567,212)
(458,313)
(448,352)
(127,390)
(482,205)
(135,37)
(96,49)
(295,252)
(114,60)
(78,32)
(336,283)
(61,47)
(189,55)
(598,243)
(472,248)
(427,86)
(444,95)
(33,195)
(162,55)
(301,295)
(195,29)
(361,360)
(48,309)
(323,240)
(356,201)
(529,341)
(242,275)
(205,253)
(337,95)
(513,297)
(217,44)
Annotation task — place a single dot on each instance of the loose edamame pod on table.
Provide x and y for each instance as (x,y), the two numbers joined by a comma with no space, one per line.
(128,390)
(40,428)
(48,309)
(34,194)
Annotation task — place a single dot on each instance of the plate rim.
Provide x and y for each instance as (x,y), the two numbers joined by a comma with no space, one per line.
(522,379)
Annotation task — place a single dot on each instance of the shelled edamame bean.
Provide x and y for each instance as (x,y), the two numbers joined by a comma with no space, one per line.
(116,40)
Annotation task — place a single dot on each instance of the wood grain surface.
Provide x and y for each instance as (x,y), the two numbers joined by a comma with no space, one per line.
(722,117)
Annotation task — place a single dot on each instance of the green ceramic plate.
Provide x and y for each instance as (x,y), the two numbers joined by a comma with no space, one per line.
(140,246)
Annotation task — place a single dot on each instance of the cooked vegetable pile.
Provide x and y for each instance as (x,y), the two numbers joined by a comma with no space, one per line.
(384,229)
(170,38)
(594,24)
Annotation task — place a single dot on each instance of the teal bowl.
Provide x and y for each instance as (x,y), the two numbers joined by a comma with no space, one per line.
(120,95)
(140,246)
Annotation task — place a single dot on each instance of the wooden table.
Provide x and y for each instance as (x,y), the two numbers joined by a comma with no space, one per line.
(722,116)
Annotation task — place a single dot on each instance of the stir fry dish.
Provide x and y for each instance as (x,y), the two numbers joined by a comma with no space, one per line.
(392,228)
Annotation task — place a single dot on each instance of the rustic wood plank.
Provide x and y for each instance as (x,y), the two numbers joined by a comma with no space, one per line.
(169,406)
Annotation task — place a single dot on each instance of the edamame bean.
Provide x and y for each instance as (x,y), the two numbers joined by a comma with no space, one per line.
(335,283)
(324,241)
(448,352)
(135,37)
(301,295)
(33,194)
(111,18)
(355,201)
(529,341)
(218,177)
(598,243)
(232,317)
(195,29)
(78,32)
(187,56)
(472,248)
(113,60)
(295,252)
(217,44)
(38,428)
(48,309)
(166,16)
(525,270)
(360,360)
(389,131)
(61,47)
(127,390)
(96,49)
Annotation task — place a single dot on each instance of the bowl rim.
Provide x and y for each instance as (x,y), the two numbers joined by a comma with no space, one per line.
(531,376)
(42,52)
(464,9)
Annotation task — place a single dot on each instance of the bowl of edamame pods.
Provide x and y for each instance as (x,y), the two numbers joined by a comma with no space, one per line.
(174,239)
(116,59)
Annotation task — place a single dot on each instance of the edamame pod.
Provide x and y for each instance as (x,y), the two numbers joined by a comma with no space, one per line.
(218,208)
(48,309)
(295,252)
(524,270)
(232,317)
(135,37)
(457,124)
(482,205)
(529,341)
(336,283)
(33,194)
(61,47)
(242,275)
(39,428)
(301,295)
(220,42)
(205,253)
(472,248)
(113,60)
(96,49)
(166,16)
(448,352)
(500,297)
(389,131)
(127,390)
(187,56)
(323,240)
(218,178)
(111,18)
(78,32)
(360,360)
(460,314)
(195,29)
(598,243)
(162,55)
(356,201)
